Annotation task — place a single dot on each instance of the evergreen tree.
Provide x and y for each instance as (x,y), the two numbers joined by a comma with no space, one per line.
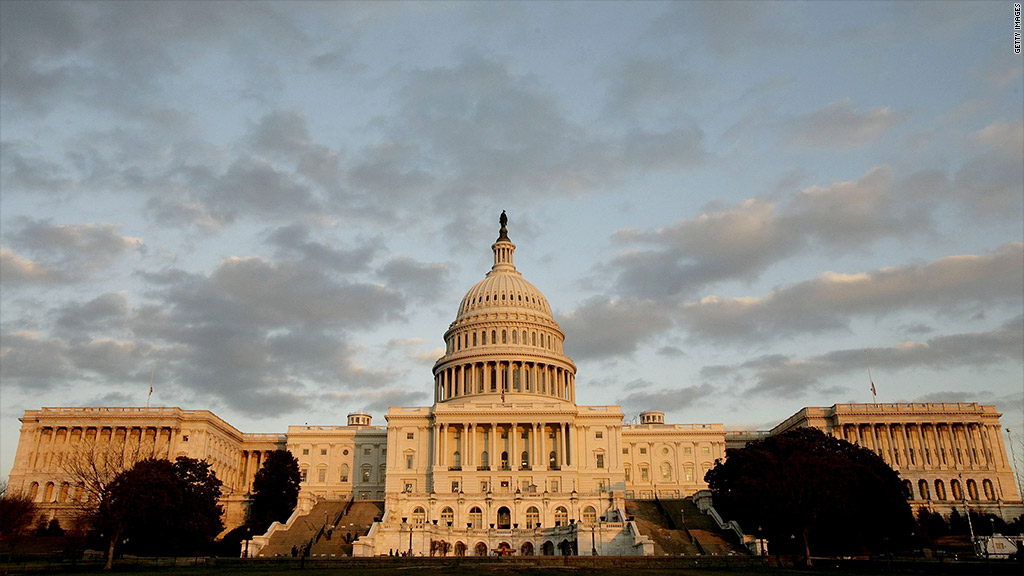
(275,491)
(826,494)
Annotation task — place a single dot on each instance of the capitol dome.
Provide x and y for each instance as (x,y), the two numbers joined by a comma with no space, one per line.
(504,340)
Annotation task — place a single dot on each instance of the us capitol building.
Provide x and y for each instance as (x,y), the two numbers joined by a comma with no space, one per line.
(505,454)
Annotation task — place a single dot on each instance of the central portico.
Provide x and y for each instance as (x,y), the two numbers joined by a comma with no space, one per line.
(504,461)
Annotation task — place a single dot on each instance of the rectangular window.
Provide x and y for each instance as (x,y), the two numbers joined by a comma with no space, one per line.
(600,460)
(643,450)
(409,461)
(644,475)
(366,451)
(526,436)
(410,435)
(705,450)
(408,487)
(305,451)
(554,485)
(483,485)
(323,451)
(689,473)
(687,450)
(504,485)
(455,486)
(322,475)
(302,475)
(625,450)
(599,435)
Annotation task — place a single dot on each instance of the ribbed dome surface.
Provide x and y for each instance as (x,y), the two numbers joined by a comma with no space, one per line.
(503,291)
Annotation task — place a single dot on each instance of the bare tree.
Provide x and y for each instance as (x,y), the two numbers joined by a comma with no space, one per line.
(16,513)
(93,466)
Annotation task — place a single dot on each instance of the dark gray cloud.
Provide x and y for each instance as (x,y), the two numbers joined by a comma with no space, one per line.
(988,184)
(63,252)
(742,241)
(779,375)
(418,280)
(964,284)
(294,240)
(840,125)
(666,399)
(604,328)
(104,313)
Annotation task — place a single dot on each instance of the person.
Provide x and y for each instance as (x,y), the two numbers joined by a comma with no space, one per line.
(295,551)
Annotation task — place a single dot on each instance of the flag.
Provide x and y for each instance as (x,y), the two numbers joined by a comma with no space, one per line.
(873,392)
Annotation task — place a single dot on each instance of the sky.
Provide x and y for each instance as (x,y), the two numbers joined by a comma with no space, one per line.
(735,209)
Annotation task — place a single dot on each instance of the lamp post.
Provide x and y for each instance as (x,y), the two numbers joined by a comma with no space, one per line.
(248,536)
(593,543)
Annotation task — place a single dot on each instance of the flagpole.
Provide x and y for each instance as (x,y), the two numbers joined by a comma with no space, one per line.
(151,375)
(874,393)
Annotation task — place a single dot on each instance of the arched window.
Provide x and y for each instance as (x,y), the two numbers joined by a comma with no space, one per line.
(958,491)
(33,491)
(460,548)
(990,492)
(526,549)
(534,338)
(447,516)
(476,518)
(483,459)
(80,492)
(524,460)
(504,337)
(666,472)
(480,549)
(48,497)
(504,518)
(645,475)
(504,461)
(419,515)
(474,344)
(972,489)
(524,337)
(552,460)
(561,516)
(908,489)
(922,490)
(483,338)
(494,339)
(366,473)
(64,489)
(940,490)
(344,472)
(589,515)
(457,460)
(382,471)
(515,337)
(532,517)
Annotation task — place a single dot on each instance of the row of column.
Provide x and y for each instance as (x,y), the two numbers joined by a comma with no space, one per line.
(462,445)
(939,445)
(504,375)
(52,439)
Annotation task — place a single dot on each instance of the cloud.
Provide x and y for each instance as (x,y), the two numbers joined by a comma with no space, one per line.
(784,376)
(293,240)
(17,270)
(418,280)
(604,328)
(666,399)
(950,285)
(839,125)
(103,313)
(988,185)
(740,241)
(65,252)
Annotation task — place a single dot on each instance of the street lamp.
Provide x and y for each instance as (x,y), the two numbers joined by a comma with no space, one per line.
(593,544)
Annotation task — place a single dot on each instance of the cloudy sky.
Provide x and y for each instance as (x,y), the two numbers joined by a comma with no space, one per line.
(730,206)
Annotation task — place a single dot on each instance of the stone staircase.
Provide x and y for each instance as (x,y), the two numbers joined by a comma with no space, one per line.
(354,521)
(305,530)
(677,527)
